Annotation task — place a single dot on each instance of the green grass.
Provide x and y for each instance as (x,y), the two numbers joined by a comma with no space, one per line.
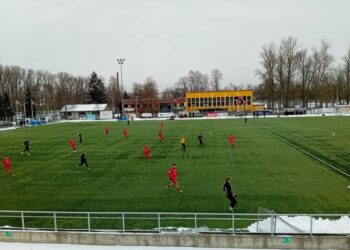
(265,171)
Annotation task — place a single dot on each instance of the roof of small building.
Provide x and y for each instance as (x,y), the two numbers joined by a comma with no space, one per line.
(83,107)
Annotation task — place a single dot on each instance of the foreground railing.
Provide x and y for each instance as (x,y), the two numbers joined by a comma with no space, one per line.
(175,222)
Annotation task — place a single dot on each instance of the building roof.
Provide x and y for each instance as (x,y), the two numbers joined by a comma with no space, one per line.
(83,107)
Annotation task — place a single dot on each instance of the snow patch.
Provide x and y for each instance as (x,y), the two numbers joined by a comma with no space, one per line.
(302,224)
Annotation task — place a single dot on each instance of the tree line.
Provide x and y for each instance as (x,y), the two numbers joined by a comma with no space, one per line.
(294,75)
(35,91)
(290,75)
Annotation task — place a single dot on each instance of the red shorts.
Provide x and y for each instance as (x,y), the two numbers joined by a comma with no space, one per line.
(232,142)
(173,180)
(147,154)
(7,168)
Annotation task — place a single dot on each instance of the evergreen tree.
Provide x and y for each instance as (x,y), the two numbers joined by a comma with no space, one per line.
(2,112)
(6,106)
(97,90)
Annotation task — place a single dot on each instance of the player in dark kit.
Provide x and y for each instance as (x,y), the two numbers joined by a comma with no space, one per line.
(200,139)
(245,120)
(26,146)
(80,138)
(83,160)
(229,194)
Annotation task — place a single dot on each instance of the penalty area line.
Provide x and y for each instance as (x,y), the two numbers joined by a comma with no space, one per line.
(307,153)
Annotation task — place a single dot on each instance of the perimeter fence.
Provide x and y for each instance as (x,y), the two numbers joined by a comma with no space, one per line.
(162,222)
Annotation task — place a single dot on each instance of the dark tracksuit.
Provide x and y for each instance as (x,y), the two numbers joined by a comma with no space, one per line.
(200,138)
(26,146)
(229,194)
(83,160)
(80,139)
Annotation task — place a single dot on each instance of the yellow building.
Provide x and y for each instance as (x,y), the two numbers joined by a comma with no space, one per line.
(227,100)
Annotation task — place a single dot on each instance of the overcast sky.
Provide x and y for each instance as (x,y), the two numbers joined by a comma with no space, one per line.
(164,39)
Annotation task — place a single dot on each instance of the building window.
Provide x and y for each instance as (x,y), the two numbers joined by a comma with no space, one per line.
(189,101)
(197,102)
(222,101)
(249,100)
(214,101)
(227,101)
(201,102)
(205,102)
(210,101)
(231,100)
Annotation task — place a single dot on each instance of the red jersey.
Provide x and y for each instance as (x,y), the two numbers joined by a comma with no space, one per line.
(7,163)
(231,139)
(72,142)
(125,132)
(161,135)
(146,150)
(172,174)
(106,130)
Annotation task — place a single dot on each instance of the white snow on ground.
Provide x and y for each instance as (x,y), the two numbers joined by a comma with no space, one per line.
(301,224)
(7,128)
(35,246)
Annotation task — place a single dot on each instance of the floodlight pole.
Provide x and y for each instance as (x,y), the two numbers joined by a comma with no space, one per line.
(120,62)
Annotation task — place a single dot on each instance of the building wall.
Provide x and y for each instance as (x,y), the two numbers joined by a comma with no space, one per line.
(154,106)
(230,100)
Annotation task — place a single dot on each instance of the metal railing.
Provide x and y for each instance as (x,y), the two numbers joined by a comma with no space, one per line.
(158,222)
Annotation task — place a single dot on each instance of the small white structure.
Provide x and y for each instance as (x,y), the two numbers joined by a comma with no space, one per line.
(83,111)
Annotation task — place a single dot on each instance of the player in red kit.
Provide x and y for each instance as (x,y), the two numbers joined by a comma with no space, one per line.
(125,133)
(147,153)
(161,136)
(172,175)
(231,140)
(106,130)
(7,165)
(161,124)
(72,144)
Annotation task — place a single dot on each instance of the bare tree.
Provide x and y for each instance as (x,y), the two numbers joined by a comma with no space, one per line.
(346,60)
(289,48)
(216,78)
(267,74)
(113,93)
(305,75)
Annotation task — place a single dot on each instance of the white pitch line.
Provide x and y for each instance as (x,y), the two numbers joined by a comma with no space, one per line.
(307,153)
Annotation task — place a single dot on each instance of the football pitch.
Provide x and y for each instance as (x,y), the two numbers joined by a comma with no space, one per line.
(266,170)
